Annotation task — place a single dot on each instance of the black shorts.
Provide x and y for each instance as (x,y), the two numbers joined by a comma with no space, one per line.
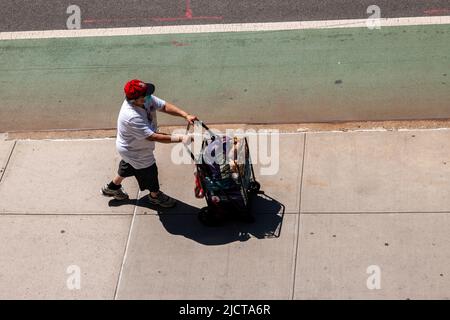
(147,178)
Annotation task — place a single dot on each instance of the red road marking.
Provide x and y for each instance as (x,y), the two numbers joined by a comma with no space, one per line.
(110,20)
(187,16)
(160,19)
(188,11)
(179,44)
(437,11)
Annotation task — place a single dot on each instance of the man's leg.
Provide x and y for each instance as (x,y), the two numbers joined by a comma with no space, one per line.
(148,179)
(116,183)
(154,194)
(154,182)
(114,188)
(118,180)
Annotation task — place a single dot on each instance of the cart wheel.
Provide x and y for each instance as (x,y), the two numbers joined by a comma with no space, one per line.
(254,187)
(208,219)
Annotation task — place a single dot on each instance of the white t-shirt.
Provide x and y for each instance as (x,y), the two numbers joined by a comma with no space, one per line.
(134,125)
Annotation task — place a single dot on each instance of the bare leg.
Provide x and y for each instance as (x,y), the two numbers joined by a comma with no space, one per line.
(114,189)
(118,180)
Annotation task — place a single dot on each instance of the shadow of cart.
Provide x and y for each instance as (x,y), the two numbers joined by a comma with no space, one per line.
(182,220)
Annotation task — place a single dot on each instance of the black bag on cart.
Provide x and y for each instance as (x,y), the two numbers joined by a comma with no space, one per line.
(225,177)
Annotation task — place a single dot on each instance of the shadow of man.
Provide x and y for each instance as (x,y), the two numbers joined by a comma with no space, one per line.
(182,220)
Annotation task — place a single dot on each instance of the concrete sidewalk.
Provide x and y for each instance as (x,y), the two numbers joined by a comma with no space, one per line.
(341,203)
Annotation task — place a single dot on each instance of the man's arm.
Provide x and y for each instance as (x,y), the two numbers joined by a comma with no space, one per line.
(167,138)
(176,111)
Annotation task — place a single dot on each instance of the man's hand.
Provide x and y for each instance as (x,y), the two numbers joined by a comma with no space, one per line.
(184,138)
(191,118)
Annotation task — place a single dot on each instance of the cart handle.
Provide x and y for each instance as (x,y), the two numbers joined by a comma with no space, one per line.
(187,132)
(203,125)
(212,134)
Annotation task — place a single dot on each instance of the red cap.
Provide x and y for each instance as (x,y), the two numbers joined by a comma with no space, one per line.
(137,88)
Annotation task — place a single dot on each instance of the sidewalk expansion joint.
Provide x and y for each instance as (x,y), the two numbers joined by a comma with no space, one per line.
(373,212)
(116,290)
(194,214)
(299,218)
(9,213)
(7,161)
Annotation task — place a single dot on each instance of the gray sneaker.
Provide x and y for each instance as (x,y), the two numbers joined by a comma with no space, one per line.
(162,200)
(119,194)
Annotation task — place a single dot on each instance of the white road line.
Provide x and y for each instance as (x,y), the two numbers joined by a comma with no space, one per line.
(210,28)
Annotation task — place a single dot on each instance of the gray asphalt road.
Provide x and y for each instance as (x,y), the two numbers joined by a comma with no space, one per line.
(23,15)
